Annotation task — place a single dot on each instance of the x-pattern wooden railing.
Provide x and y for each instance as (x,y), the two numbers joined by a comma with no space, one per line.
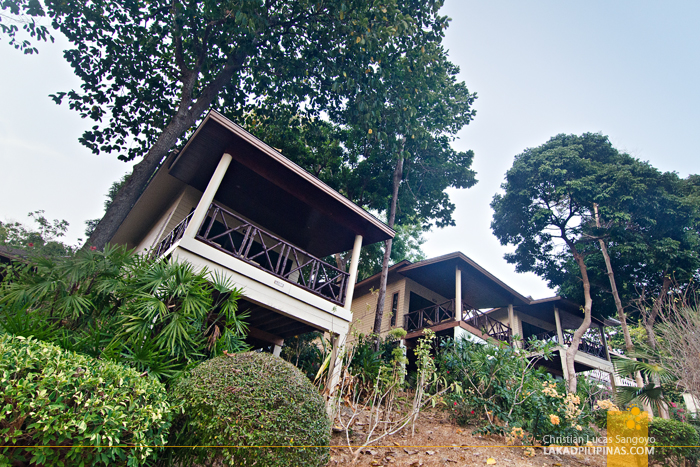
(172,237)
(429,316)
(234,235)
(486,324)
(587,346)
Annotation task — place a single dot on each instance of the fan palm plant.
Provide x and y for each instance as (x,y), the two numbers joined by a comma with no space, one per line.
(659,379)
(155,315)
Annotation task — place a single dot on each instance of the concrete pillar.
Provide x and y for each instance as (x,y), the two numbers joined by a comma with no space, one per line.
(604,341)
(513,323)
(458,293)
(560,331)
(352,279)
(276,350)
(200,212)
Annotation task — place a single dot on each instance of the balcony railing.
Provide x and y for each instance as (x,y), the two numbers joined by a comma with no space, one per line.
(429,316)
(486,324)
(587,346)
(237,237)
(172,237)
(443,312)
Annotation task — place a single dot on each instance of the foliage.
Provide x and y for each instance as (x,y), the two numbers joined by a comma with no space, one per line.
(41,242)
(306,352)
(366,363)
(682,439)
(23,13)
(156,316)
(58,405)
(250,399)
(502,386)
(654,371)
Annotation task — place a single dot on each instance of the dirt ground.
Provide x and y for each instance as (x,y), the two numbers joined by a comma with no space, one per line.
(439,441)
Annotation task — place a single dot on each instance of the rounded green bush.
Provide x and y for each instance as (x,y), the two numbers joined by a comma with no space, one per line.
(62,408)
(256,409)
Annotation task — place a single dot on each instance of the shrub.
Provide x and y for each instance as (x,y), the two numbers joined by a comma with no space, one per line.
(673,433)
(250,399)
(53,397)
(502,386)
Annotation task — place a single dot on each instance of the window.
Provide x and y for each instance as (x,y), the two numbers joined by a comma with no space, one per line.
(394,308)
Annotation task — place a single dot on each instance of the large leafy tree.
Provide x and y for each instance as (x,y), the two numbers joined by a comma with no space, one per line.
(151,69)
(400,133)
(547,211)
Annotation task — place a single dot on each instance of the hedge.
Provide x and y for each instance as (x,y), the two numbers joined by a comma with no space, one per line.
(62,408)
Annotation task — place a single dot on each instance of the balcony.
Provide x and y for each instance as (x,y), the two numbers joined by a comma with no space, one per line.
(444,312)
(486,324)
(235,236)
(587,346)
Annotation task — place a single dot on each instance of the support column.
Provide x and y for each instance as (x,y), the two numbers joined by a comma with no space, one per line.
(276,350)
(512,323)
(335,365)
(604,341)
(200,212)
(458,293)
(352,278)
(560,331)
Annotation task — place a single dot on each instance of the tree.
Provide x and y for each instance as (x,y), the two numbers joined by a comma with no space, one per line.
(547,206)
(401,133)
(151,69)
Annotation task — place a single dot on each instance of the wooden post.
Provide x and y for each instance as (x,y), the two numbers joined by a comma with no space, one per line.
(354,262)
(200,212)
(458,294)
(560,331)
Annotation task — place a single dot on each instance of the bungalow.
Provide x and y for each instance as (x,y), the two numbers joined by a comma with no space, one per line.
(229,202)
(455,297)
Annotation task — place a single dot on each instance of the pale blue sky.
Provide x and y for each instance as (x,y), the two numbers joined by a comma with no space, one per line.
(627,69)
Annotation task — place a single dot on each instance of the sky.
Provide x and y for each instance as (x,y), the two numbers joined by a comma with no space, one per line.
(627,69)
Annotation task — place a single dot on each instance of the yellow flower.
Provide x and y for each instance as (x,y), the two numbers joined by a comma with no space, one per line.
(578,427)
(554,420)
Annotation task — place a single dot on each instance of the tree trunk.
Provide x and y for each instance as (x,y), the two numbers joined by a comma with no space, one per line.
(128,195)
(396,181)
(588,305)
(187,113)
(651,335)
(618,304)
